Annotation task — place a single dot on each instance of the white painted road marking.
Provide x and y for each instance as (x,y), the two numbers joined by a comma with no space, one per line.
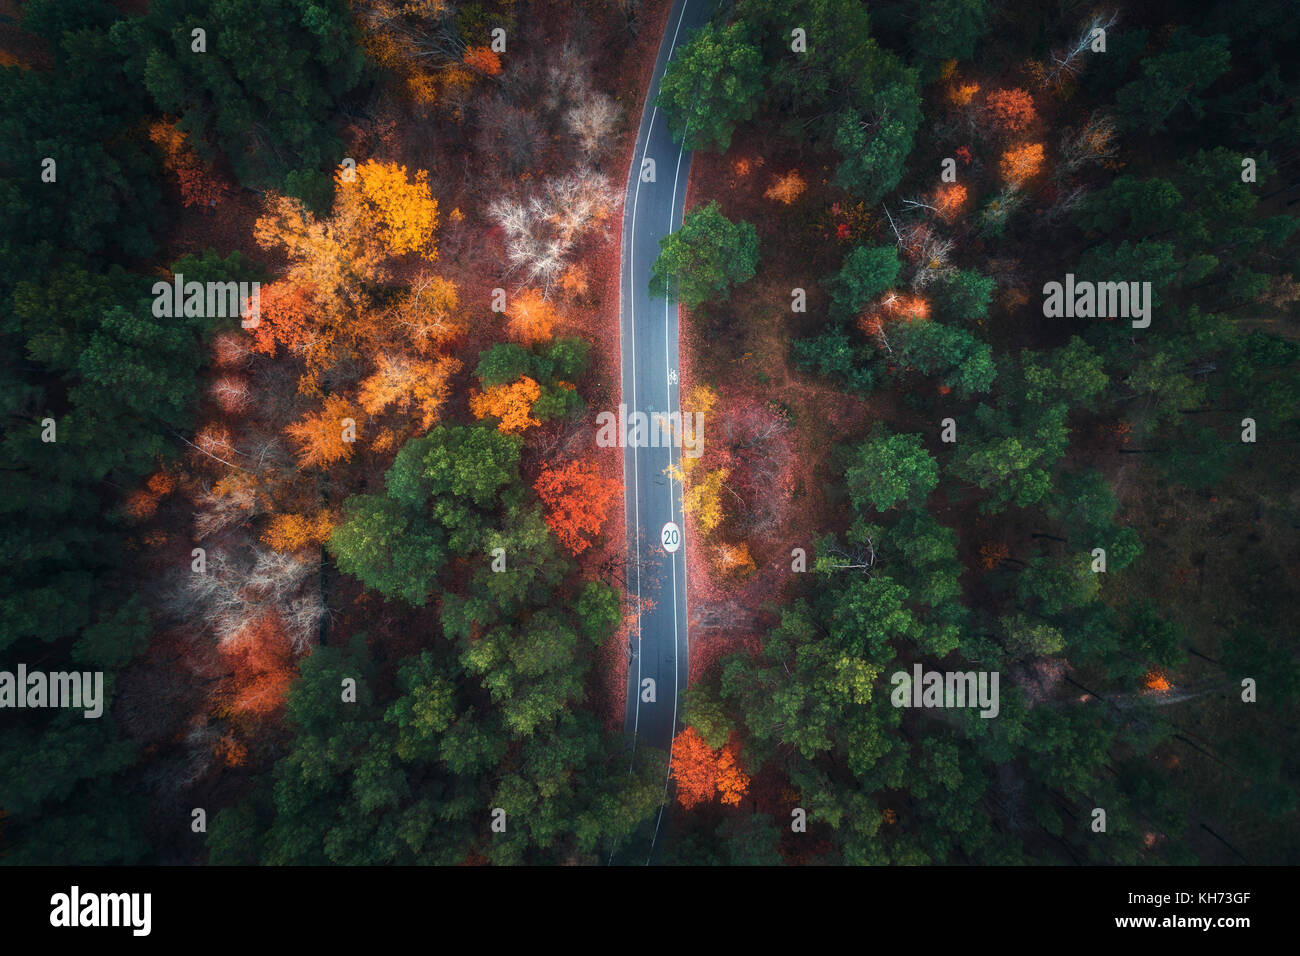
(671,537)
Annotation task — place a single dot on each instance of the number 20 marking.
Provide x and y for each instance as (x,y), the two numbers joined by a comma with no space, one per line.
(671,537)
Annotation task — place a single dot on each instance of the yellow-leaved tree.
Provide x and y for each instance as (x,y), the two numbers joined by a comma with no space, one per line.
(426,313)
(334,257)
(403,211)
(703,499)
(697,408)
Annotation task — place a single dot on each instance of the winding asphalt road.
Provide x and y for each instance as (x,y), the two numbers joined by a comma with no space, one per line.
(657,579)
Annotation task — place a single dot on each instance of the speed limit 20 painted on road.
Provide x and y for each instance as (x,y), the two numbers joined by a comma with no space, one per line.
(671,537)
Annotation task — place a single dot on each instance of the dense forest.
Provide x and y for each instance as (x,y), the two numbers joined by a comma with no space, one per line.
(350,559)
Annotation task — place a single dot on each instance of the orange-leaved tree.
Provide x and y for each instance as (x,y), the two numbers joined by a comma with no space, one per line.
(993,553)
(512,404)
(574,281)
(482,59)
(199,185)
(577,498)
(262,661)
(531,317)
(1021,163)
(892,307)
(409,383)
(786,189)
(694,767)
(326,436)
(290,532)
(950,201)
(733,782)
(702,772)
(734,559)
(960,94)
(1011,110)
(287,316)
(907,308)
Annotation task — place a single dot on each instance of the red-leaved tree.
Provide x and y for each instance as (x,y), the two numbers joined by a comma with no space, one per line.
(577,498)
(702,772)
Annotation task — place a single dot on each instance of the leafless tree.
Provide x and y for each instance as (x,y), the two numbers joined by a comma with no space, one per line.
(567,79)
(422,29)
(1068,61)
(235,504)
(511,133)
(239,585)
(230,350)
(230,392)
(542,230)
(1095,142)
(1067,199)
(933,252)
(591,121)
(861,558)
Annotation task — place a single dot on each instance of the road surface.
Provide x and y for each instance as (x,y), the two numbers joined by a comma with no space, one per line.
(657,580)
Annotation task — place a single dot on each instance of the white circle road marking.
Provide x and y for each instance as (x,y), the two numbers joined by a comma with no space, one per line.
(671,537)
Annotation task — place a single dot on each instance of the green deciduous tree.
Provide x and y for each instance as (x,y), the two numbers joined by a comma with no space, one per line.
(705,257)
(440,496)
(712,84)
(889,470)
(867,272)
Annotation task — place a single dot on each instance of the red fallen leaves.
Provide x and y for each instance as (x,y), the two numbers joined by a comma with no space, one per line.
(993,553)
